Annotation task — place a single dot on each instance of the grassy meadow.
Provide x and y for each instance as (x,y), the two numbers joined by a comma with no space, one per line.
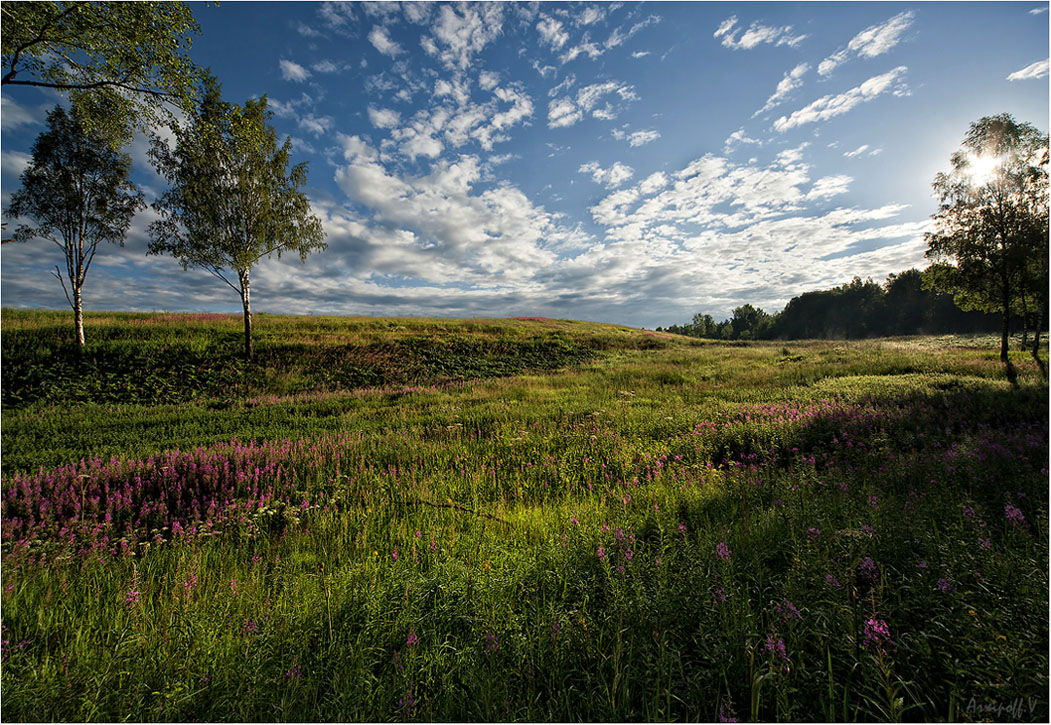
(523,519)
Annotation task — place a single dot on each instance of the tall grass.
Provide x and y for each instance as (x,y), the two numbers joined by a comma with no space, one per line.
(662,531)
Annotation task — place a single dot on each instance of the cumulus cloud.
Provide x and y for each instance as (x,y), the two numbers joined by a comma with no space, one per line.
(636,138)
(566,111)
(551,32)
(792,80)
(738,137)
(612,177)
(437,228)
(829,186)
(834,105)
(1034,70)
(870,42)
(292,71)
(756,34)
(463,30)
(384,117)
(383,43)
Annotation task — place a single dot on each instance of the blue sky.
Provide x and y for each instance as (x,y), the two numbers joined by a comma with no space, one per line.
(620,162)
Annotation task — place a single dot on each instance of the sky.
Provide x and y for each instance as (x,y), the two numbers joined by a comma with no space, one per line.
(633,163)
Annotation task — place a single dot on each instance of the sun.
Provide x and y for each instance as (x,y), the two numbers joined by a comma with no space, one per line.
(982,168)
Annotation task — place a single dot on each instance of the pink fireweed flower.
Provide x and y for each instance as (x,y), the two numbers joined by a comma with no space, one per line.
(868,568)
(775,646)
(1014,515)
(394,555)
(682,528)
(877,636)
(723,551)
(250,627)
(788,610)
(813,533)
(719,596)
(412,639)
(601,552)
(492,644)
(132,598)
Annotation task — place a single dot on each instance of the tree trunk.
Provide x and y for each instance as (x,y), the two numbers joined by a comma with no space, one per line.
(1041,323)
(78,318)
(1005,329)
(246,301)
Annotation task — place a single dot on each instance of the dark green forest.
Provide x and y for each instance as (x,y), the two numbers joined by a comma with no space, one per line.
(855,310)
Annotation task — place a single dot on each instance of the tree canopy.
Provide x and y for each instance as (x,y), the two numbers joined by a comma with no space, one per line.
(232,199)
(77,191)
(989,239)
(119,61)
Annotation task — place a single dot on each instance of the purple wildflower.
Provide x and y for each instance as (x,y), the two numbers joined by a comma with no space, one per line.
(945,587)
(984,543)
(788,611)
(412,639)
(601,552)
(775,646)
(1014,515)
(877,636)
(723,551)
(813,533)
(294,673)
(719,596)
(869,570)
(250,627)
(831,581)
(407,703)
(492,644)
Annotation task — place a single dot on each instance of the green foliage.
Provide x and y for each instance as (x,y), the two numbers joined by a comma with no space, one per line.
(78,193)
(120,61)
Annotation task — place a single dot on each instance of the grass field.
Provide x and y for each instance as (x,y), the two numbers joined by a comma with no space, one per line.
(409,519)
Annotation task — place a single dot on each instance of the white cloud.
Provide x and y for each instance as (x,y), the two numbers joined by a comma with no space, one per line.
(870,42)
(487,80)
(829,106)
(636,138)
(829,186)
(1034,70)
(792,80)
(640,54)
(612,177)
(13,115)
(434,227)
(382,42)
(292,71)
(562,112)
(325,66)
(756,34)
(551,32)
(1037,11)
(463,30)
(566,111)
(316,125)
(738,136)
(384,117)
(14,162)
(653,182)
(862,149)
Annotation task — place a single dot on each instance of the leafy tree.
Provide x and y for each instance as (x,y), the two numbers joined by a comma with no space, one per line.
(989,244)
(120,61)
(76,188)
(232,199)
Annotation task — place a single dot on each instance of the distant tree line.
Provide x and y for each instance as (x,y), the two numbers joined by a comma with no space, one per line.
(900,306)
